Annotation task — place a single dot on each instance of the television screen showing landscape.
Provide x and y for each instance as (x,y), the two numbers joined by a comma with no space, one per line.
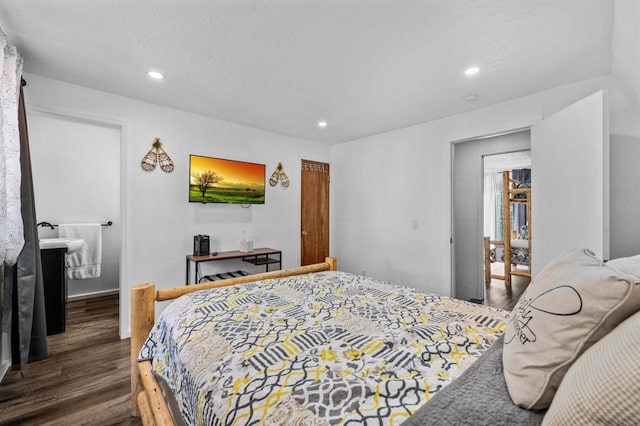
(214,180)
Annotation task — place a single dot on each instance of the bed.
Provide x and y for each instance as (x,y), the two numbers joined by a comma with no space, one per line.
(309,344)
(519,253)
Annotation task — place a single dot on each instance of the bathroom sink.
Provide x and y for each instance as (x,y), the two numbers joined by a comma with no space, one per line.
(71,244)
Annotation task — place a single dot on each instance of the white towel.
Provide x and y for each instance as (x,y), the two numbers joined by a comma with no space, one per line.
(86,262)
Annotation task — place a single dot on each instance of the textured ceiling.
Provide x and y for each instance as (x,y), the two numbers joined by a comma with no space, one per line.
(509,161)
(364,66)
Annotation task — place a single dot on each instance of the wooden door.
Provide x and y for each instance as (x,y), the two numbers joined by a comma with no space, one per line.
(314,222)
(570,181)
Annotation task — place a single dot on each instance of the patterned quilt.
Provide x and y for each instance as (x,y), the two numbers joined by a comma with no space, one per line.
(317,349)
(519,255)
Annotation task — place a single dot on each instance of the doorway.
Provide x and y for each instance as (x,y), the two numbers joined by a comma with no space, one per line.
(468,225)
(314,212)
(507,227)
(77,179)
(571,144)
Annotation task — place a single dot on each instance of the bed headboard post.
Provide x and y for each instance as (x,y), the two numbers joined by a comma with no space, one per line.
(333,263)
(142,319)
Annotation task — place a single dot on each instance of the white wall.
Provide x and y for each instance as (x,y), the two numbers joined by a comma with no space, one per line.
(625,138)
(625,62)
(570,182)
(76,179)
(625,196)
(158,221)
(381,184)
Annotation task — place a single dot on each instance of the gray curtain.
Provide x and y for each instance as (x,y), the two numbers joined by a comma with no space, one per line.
(23,292)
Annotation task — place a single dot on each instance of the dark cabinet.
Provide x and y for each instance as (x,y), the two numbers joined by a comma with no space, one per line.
(55,288)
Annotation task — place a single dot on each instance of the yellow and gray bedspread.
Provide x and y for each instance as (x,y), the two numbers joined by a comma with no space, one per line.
(324,348)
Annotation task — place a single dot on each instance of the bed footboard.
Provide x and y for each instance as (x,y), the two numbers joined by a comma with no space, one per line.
(152,394)
(142,319)
(145,410)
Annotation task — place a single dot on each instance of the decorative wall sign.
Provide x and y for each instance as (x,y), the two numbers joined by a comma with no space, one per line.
(313,167)
(157,155)
(279,175)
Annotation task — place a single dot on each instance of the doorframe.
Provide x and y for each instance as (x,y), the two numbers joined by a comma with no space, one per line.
(299,176)
(124,129)
(452,239)
(482,207)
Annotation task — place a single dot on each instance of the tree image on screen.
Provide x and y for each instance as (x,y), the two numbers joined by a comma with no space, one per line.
(216,180)
(204,179)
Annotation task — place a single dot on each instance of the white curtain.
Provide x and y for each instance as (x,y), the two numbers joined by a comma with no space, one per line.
(492,215)
(11,227)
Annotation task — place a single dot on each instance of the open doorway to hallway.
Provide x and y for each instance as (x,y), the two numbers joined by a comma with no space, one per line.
(507,227)
(468,223)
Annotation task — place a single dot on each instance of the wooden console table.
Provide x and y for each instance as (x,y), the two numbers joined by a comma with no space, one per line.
(259,256)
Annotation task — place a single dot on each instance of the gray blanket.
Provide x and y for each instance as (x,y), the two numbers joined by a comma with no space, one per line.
(478,397)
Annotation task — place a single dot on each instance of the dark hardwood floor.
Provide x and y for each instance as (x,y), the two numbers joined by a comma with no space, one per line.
(498,295)
(85,380)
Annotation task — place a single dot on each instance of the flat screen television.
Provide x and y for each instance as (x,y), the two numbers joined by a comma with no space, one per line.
(215,180)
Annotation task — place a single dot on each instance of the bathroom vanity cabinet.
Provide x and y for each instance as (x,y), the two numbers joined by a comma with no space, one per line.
(55,288)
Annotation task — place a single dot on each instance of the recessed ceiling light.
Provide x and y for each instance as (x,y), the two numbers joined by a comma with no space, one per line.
(156,75)
(471,71)
(322,124)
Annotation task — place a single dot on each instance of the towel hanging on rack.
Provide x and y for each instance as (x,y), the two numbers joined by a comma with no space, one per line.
(86,262)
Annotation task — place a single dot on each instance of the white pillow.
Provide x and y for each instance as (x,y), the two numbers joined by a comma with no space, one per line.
(571,304)
(627,265)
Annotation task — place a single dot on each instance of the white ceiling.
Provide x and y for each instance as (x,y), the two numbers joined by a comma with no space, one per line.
(509,161)
(364,66)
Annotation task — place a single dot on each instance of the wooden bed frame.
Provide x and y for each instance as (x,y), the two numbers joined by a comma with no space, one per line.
(147,400)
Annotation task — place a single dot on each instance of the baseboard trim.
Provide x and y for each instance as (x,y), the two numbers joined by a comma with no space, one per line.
(92,295)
